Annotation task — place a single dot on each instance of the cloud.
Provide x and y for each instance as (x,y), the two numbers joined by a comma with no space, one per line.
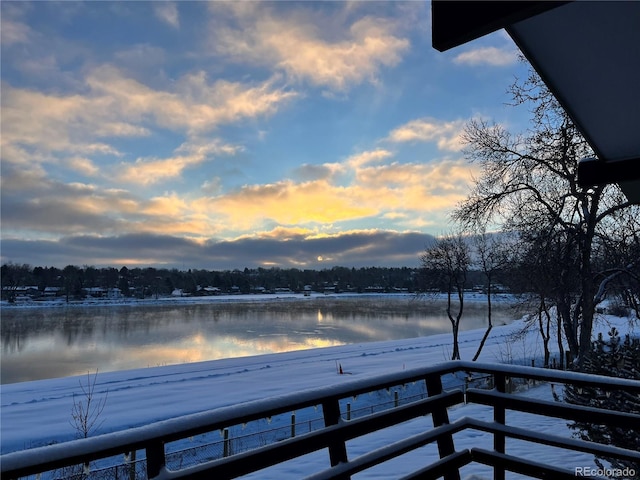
(370,186)
(38,126)
(212,187)
(287,203)
(38,207)
(52,217)
(355,248)
(14,32)
(359,160)
(117,105)
(420,190)
(34,206)
(195,105)
(168,13)
(492,56)
(52,123)
(141,56)
(310,173)
(446,135)
(303,44)
(147,171)
(83,165)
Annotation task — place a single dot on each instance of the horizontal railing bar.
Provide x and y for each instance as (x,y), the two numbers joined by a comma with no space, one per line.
(287,449)
(578,413)
(524,467)
(550,375)
(553,440)
(441,467)
(51,457)
(388,452)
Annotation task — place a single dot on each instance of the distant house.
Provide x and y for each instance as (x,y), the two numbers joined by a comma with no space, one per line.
(283,290)
(51,291)
(95,292)
(101,292)
(28,291)
(20,293)
(375,289)
(208,291)
(400,290)
(114,292)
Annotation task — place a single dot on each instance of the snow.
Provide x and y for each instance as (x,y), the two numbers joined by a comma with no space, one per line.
(38,413)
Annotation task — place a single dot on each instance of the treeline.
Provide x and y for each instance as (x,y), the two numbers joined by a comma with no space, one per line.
(76,282)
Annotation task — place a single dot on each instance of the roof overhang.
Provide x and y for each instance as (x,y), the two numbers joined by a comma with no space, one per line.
(587,53)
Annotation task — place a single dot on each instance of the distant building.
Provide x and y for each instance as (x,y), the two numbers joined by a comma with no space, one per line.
(51,291)
(208,291)
(114,293)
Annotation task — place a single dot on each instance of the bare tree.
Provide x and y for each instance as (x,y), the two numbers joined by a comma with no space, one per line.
(548,268)
(619,255)
(13,276)
(87,410)
(86,414)
(529,185)
(447,263)
(493,256)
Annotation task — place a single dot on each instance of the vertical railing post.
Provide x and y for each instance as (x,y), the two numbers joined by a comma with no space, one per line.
(132,465)
(441,417)
(155,459)
(337,448)
(226,450)
(293,424)
(499,417)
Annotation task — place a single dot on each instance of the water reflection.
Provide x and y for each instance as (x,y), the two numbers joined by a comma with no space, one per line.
(44,343)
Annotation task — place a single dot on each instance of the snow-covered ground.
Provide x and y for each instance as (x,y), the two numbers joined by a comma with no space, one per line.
(39,412)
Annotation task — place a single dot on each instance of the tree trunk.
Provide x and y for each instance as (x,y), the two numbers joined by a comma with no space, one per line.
(570,329)
(544,330)
(560,344)
(489,326)
(456,349)
(586,275)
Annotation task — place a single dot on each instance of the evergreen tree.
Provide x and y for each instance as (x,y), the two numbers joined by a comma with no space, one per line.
(613,358)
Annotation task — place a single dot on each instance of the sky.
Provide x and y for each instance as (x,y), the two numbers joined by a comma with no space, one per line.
(227,135)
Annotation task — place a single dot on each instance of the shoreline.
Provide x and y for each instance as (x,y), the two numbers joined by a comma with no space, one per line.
(472,297)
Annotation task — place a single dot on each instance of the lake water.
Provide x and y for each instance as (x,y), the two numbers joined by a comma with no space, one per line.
(60,341)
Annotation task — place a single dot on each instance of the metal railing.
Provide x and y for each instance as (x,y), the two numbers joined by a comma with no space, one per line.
(442,392)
